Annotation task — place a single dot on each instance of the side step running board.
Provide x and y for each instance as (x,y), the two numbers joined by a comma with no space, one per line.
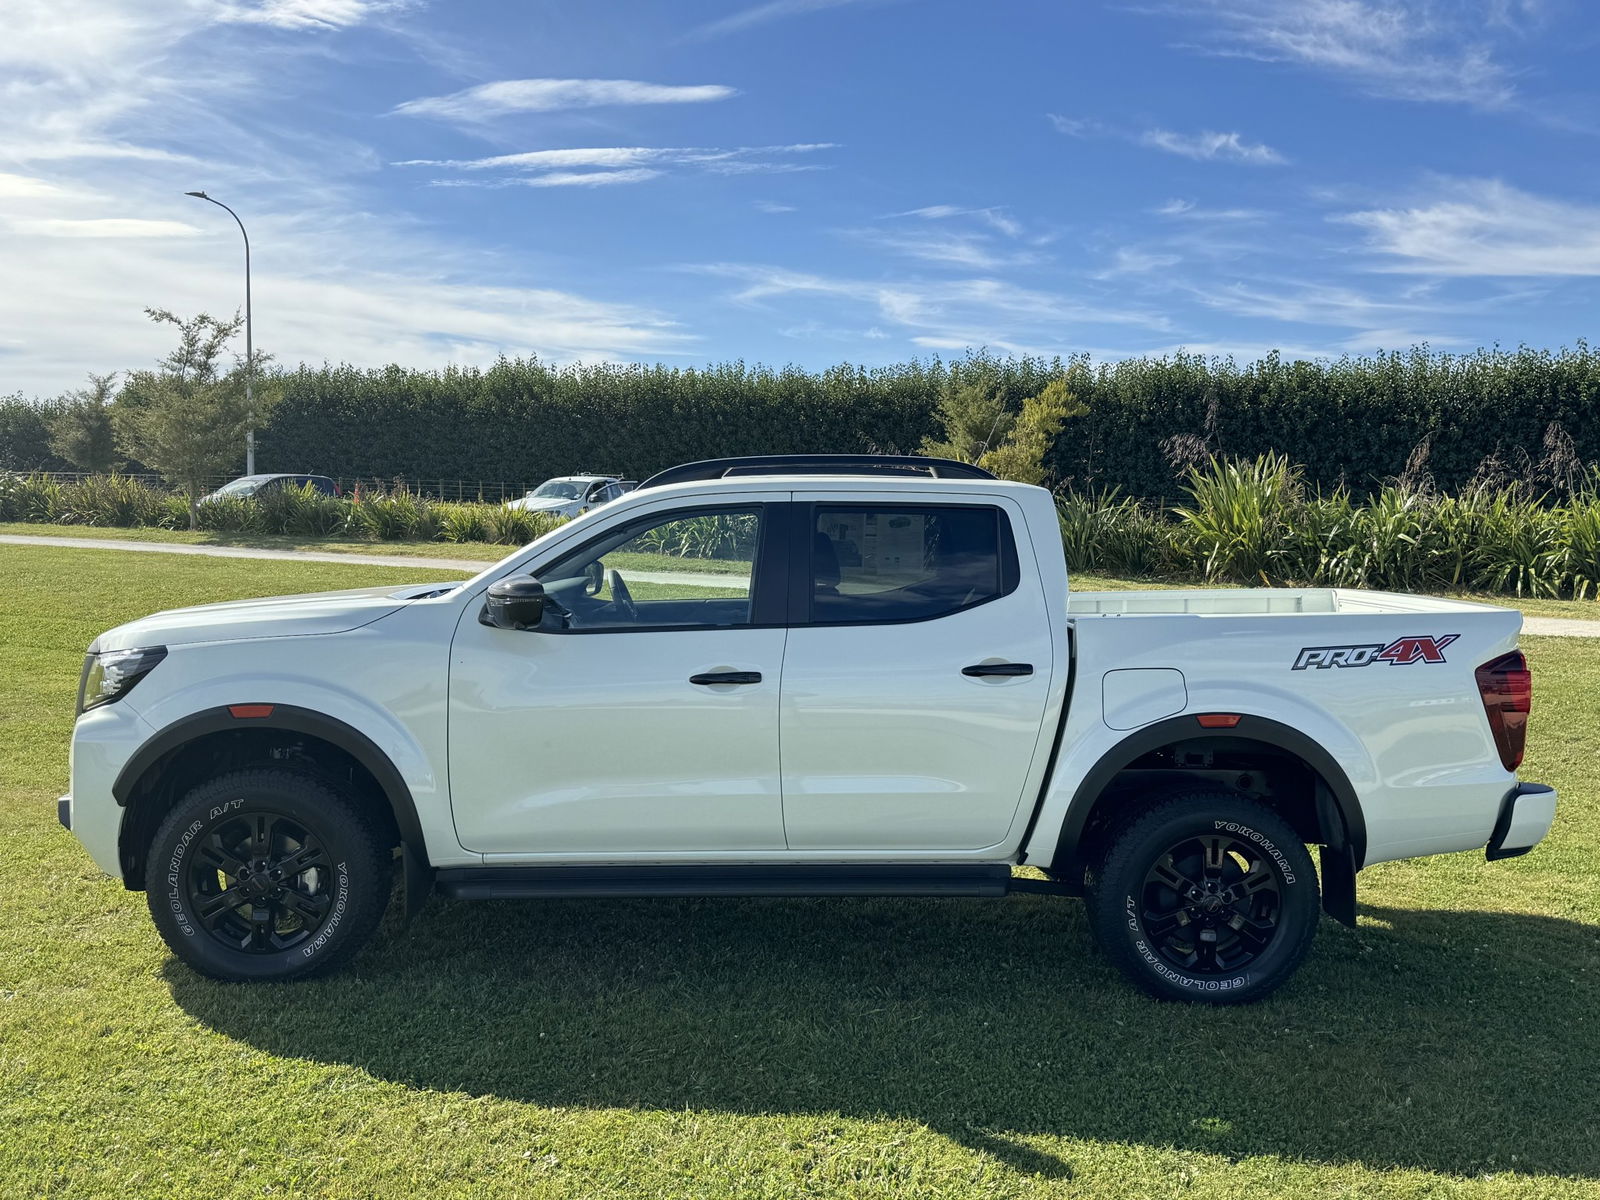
(776,879)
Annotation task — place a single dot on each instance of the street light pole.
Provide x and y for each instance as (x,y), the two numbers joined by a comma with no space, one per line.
(249,343)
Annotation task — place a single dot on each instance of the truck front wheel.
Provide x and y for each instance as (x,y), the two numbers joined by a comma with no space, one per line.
(267,875)
(1206,897)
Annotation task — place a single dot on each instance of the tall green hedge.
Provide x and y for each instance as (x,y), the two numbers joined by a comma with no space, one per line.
(25,435)
(1355,420)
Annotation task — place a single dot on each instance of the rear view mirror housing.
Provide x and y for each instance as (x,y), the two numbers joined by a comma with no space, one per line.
(514,604)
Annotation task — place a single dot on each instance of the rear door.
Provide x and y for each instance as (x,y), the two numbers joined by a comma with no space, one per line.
(915,675)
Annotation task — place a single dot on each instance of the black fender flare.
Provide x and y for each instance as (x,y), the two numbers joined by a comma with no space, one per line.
(1338,807)
(292,719)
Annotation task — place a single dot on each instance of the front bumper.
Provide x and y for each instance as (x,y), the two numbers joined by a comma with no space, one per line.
(103,740)
(1526,815)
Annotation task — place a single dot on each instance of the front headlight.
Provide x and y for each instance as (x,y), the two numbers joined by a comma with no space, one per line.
(111,674)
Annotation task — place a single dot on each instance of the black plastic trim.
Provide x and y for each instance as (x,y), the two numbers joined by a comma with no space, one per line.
(815,464)
(761,879)
(292,719)
(1495,851)
(1353,836)
(1339,884)
(64,811)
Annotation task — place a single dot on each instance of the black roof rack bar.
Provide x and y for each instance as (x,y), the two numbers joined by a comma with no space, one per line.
(816,464)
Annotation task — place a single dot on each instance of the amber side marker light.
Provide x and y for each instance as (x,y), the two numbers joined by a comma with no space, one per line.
(1218,720)
(245,711)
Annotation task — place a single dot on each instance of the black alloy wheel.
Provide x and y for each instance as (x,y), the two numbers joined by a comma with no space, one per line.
(269,874)
(1206,895)
(1210,904)
(259,882)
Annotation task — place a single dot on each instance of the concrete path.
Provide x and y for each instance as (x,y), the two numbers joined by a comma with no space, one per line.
(446,566)
(1532,626)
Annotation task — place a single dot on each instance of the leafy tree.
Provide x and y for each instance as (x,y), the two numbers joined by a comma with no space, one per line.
(187,419)
(975,420)
(1021,455)
(25,435)
(979,427)
(82,432)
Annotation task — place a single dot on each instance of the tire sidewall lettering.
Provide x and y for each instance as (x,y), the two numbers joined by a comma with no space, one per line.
(341,903)
(1285,871)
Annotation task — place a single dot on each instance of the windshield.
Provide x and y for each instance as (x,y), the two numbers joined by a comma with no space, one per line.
(557,489)
(239,487)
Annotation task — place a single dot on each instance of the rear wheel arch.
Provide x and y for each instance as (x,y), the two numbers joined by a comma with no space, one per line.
(1331,816)
(204,743)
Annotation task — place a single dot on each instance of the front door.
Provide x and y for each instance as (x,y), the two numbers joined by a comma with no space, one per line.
(642,717)
(914,691)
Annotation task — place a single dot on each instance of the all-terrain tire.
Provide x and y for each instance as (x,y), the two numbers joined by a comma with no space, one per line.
(1208,897)
(268,875)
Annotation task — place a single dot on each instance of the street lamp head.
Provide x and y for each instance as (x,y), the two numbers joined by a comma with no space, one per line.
(202,195)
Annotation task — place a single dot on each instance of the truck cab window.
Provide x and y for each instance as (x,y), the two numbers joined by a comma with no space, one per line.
(686,570)
(879,563)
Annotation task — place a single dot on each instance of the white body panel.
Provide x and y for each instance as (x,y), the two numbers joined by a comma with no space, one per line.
(888,747)
(860,743)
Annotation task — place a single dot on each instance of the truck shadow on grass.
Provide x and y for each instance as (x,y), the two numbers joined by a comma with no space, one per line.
(1460,1042)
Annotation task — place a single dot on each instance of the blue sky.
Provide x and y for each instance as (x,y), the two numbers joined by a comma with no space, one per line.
(805,181)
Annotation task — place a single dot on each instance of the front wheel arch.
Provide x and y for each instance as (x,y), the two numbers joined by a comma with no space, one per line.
(182,753)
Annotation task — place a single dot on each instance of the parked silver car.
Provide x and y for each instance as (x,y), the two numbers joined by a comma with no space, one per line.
(569,495)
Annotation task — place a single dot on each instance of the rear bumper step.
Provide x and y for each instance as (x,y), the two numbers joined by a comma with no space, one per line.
(1526,814)
(772,879)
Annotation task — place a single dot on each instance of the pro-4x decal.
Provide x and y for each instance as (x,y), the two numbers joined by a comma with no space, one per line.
(1401,652)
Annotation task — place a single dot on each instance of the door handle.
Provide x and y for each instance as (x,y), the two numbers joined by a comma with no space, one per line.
(730,677)
(982,669)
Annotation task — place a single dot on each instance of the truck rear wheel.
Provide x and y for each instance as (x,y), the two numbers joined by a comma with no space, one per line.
(1206,897)
(267,875)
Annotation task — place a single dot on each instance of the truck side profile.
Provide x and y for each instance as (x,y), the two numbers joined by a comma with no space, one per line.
(808,675)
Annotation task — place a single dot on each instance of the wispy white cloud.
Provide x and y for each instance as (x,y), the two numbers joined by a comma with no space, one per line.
(589,178)
(773,10)
(772,208)
(1075,126)
(104,227)
(1131,260)
(1188,210)
(553,95)
(616,164)
(947,248)
(1408,49)
(995,218)
(1207,146)
(947,314)
(16,187)
(1485,227)
(306,14)
(968,247)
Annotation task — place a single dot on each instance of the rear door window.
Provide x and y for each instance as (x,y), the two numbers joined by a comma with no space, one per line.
(873,563)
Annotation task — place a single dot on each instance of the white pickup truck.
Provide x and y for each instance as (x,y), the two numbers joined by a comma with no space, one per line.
(812,675)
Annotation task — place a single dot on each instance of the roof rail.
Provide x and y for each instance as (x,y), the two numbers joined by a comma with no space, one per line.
(901,465)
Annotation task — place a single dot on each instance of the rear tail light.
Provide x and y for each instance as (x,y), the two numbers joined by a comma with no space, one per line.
(1506,686)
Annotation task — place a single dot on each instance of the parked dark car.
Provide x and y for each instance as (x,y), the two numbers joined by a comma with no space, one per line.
(247,486)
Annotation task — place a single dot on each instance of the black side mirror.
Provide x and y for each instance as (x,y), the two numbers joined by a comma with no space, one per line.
(514,604)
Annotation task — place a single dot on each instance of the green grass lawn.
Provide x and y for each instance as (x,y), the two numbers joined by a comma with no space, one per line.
(1449,1047)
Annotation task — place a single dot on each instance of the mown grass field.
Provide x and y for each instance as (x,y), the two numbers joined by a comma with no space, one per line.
(1449,1047)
